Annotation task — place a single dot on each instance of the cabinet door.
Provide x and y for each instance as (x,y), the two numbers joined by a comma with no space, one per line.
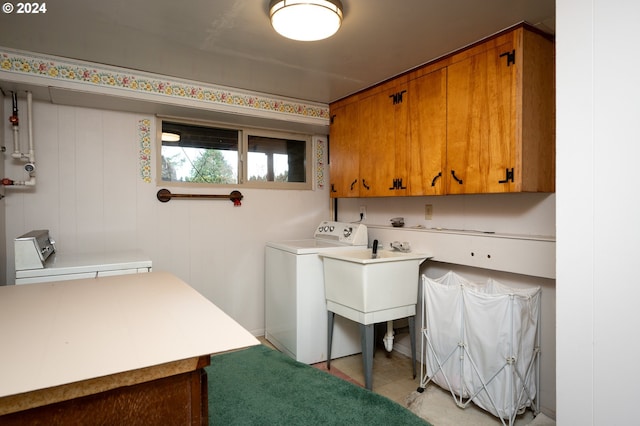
(343,152)
(428,140)
(384,128)
(481,122)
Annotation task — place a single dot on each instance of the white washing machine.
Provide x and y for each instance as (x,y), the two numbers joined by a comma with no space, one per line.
(295,304)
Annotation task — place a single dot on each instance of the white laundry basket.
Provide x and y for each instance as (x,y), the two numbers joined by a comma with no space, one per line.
(481,342)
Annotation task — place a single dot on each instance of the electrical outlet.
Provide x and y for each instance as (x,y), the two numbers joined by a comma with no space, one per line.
(428,211)
(363,212)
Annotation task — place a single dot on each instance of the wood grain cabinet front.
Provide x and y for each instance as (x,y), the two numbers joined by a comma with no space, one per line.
(481,120)
(500,117)
(369,143)
(428,133)
(344,151)
(384,132)
(391,140)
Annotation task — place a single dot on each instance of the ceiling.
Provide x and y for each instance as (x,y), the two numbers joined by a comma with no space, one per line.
(231,42)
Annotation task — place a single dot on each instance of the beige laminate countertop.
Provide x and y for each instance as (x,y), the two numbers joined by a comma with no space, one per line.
(63,332)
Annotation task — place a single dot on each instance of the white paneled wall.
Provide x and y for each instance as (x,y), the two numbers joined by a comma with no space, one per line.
(91,196)
(3,250)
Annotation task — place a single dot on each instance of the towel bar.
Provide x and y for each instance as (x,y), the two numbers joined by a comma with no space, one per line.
(164,195)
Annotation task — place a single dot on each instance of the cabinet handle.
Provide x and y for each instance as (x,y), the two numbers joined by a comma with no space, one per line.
(353,184)
(453,173)
(508,176)
(435,178)
(364,183)
(333,188)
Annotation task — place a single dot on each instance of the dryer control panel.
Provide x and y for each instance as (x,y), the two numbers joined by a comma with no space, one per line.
(33,249)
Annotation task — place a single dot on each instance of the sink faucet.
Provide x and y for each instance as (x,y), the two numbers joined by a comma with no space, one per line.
(404,247)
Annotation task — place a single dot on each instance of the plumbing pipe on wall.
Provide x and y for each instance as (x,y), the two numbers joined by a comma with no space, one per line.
(30,157)
(15,121)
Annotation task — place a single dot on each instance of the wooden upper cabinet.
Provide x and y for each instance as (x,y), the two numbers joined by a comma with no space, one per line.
(344,173)
(384,131)
(427,153)
(368,144)
(481,120)
(500,117)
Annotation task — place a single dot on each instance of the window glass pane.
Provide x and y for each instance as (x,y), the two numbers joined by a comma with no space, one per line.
(200,154)
(275,159)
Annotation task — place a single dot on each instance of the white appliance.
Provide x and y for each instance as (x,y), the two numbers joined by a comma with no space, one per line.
(33,249)
(38,261)
(295,303)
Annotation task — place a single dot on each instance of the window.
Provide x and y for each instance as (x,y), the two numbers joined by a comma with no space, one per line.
(199,154)
(218,155)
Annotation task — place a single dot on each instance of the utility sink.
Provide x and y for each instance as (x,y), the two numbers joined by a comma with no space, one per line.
(366,257)
(370,290)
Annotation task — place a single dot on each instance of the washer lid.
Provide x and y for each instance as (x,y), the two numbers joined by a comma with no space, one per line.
(309,246)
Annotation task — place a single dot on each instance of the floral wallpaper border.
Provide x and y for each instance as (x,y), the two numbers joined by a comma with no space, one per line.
(321,159)
(144,136)
(97,75)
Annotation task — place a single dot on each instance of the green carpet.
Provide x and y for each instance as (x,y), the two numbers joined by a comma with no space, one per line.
(261,386)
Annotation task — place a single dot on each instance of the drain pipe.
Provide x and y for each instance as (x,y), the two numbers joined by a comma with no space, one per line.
(391,332)
(388,337)
(30,167)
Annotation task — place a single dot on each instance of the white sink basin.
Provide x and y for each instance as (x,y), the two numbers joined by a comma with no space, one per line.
(370,290)
(365,256)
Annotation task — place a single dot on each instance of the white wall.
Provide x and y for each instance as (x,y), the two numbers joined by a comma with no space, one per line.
(3,228)
(597,212)
(91,196)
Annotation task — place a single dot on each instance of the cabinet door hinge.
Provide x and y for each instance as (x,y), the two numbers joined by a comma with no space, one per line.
(397,97)
(511,57)
(397,184)
(333,117)
(508,176)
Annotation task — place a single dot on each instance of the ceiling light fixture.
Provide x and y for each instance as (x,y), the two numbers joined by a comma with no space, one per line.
(170,137)
(306,20)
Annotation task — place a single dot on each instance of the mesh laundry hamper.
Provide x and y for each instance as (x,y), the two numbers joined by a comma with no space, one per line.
(481,342)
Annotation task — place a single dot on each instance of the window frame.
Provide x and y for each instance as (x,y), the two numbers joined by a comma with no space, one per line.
(243,145)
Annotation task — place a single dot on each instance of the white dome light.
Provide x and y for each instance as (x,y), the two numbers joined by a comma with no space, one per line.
(306,20)
(170,137)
